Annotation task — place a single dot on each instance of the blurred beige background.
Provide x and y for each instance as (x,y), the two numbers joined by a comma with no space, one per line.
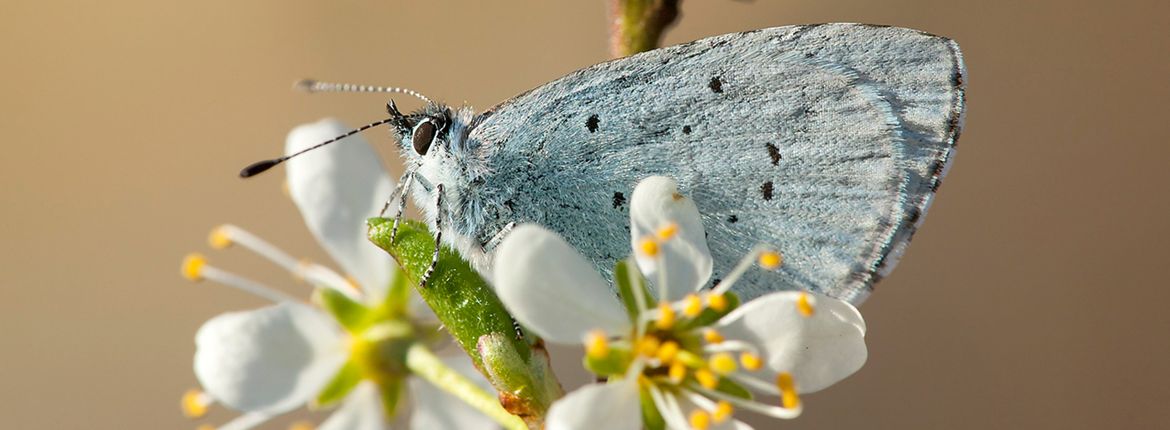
(1034,296)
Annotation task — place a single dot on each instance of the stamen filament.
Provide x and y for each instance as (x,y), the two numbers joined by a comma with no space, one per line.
(760,408)
(744,264)
(754,384)
(311,272)
(668,407)
(720,411)
(238,282)
(635,281)
(228,233)
(730,346)
(663,286)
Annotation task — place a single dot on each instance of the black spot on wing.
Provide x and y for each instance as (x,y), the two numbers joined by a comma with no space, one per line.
(766,190)
(774,153)
(733,219)
(592,123)
(716,85)
(686,129)
(619,199)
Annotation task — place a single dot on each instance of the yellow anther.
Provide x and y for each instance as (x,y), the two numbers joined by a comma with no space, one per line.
(707,379)
(803,305)
(751,361)
(770,260)
(722,412)
(648,346)
(596,345)
(712,336)
(788,397)
(667,351)
(678,371)
(353,282)
(194,404)
(193,266)
(649,247)
(205,427)
(722,363)
(219,238)
(666,317)
(304,265)
(700,420)
(667,232)
(692,305)
(718,302)
(302,425)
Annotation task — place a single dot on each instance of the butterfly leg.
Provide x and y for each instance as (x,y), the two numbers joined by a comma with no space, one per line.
(519,330)
(498,237)
(400,193)
(422,283)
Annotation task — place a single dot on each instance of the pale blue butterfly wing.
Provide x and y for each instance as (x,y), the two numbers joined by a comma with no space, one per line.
(827,141)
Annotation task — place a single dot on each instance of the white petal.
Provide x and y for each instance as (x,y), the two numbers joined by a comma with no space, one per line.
(598,406)
(552,289)
(361,410)
(687,262)
(268,360)
(435,409)
(337,187)
(818,350)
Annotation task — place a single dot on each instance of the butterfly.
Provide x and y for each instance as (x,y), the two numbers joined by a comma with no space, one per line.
(828,141)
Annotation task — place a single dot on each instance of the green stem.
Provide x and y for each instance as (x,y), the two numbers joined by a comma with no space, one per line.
(637,25)
(425,364)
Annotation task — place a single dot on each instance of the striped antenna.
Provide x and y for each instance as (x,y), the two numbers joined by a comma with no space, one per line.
(262,165)
(315,86)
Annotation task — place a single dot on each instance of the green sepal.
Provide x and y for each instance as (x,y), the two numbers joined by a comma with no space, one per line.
(391,390)
(470,311)
(626,277)
(616,362)
(651,417)
(353,316)
(727,386)
(342,383)
(462,300)
(398,296)
(709,316)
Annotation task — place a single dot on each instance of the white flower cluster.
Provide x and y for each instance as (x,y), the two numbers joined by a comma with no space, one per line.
(683,357)
(694,354)
(271,360)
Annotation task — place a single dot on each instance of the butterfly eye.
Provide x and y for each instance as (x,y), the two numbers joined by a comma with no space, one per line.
(423,135)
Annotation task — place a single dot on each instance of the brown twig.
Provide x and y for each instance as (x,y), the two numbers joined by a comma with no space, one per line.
(637,25)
